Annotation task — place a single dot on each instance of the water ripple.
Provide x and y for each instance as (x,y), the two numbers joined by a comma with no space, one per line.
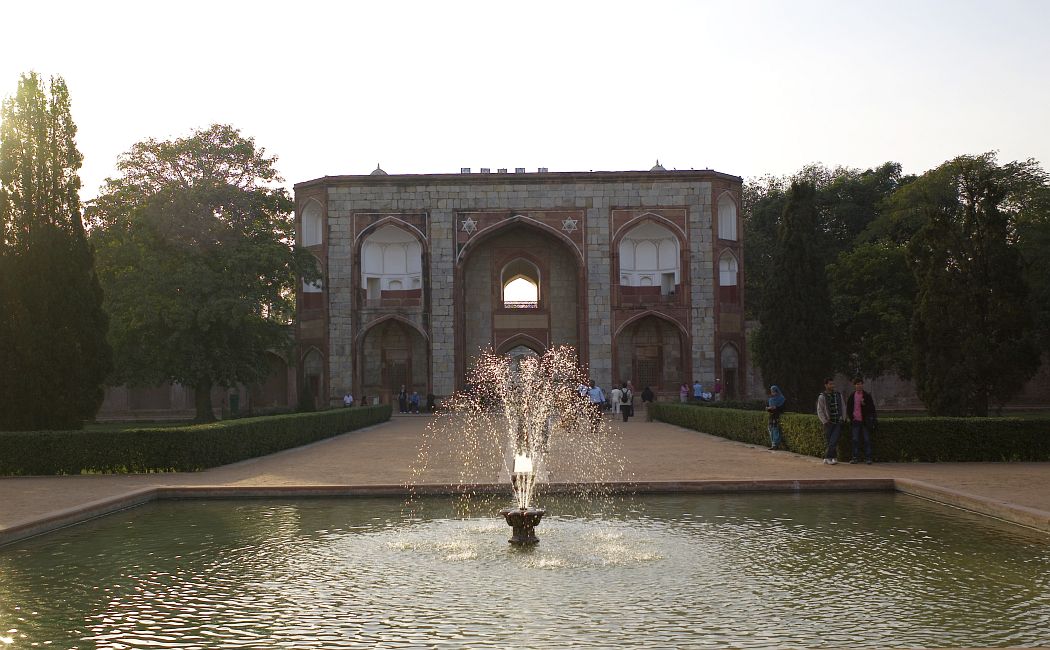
(698,571)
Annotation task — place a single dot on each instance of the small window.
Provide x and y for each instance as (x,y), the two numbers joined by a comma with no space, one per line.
(726,218)
(311,224)
(521,293)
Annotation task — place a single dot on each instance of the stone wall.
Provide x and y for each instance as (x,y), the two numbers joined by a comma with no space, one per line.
(450,211)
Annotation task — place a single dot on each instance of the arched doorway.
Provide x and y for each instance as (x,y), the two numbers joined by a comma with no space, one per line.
(393,353)
(730,359)
(492,315)
(313,388)
(651,352)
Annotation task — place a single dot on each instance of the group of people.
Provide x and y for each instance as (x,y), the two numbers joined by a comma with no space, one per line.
(833,411)
(620,399)
(698,393)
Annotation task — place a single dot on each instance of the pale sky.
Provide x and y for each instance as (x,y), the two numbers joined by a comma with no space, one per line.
(746,88)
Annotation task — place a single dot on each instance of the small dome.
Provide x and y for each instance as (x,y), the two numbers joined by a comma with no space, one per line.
(378,171)
(658,167)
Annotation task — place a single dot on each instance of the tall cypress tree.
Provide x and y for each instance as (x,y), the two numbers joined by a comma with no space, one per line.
(52,327)
(973,337)
(793,346)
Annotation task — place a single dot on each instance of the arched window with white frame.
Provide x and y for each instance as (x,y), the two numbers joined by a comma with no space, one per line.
(728,277)
(727,218)
(649,256)
(312,231)
(391,267)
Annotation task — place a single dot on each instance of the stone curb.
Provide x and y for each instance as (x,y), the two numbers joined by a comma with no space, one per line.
(1015,514)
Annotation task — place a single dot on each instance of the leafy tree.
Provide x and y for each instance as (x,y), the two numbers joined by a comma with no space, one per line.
(196,259)
(792,346)
(972,328)
(53,348)
(872,300)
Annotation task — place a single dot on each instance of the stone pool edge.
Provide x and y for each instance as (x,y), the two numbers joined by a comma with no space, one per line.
(1003,510)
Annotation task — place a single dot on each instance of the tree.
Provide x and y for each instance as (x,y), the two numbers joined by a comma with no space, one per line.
(196,258)
(53,348)
(972,329)
(793,344)
(872,300)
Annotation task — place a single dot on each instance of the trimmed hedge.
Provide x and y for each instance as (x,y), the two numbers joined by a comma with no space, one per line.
(173,449)
(905,439)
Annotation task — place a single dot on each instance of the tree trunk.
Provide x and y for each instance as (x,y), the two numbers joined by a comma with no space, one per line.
(202,400)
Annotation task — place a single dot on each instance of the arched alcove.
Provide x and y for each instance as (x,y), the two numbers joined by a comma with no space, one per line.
(391,267)
(313,379)
(650,351)
(650,262)
(727,218)
(520,280)
(730,362)
(728,278)
(312,222)
(393,353)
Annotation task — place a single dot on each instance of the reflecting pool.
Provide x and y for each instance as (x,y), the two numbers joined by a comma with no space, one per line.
(757,570)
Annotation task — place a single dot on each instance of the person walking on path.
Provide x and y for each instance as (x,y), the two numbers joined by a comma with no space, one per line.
(860,409)
(627,401)
(683,393)
(614,399)
(775,406)
(595,398)
(830,411)
(402,400)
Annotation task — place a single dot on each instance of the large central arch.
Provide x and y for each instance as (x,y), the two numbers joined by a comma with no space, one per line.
(518,248)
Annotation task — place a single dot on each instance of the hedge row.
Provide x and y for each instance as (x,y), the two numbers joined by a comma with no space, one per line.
(173,449)
(925,439)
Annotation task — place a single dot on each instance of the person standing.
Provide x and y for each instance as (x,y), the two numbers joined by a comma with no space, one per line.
(775,406)
(414,402)
(683,393)
(718,390)
(402,400)
(614,399)
(627,401)
(830,411)
(860,409)
(698,390)
(595,397)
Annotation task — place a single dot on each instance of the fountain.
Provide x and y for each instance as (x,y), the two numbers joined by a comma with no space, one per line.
(527,412)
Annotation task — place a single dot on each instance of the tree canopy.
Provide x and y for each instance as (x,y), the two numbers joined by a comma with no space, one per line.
(53,348)
(196,256)
(792,345)
(972,331)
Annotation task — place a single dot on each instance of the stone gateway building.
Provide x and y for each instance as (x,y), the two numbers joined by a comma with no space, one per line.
(641,272)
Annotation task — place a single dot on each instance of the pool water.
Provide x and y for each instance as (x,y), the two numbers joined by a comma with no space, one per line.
(757,570)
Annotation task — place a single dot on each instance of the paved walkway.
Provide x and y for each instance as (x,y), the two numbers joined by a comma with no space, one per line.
(653,452)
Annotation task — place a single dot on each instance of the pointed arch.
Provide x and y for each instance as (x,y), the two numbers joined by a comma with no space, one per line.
(519,219)
(655,218)
(390,220)
(312,222)
(727,216)
(389,317)
(650,312)
(531,342)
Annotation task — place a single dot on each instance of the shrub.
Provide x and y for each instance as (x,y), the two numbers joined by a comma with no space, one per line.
(173,449)
(895,439)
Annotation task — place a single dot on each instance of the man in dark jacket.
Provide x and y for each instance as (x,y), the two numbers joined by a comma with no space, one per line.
(860,410)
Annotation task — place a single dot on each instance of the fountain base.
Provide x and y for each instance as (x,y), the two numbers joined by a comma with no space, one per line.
(524,522)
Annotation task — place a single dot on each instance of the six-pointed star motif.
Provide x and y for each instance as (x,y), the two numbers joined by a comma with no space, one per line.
(469,225)
(568,225)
